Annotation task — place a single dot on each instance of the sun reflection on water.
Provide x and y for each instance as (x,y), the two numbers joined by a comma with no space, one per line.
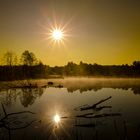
(56,118)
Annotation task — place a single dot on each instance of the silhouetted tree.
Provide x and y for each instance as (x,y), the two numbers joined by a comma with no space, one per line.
(136,63)
(10,59)
(136,68)
(28,58)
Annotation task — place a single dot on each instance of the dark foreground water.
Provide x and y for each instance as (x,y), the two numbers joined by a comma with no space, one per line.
(117,118)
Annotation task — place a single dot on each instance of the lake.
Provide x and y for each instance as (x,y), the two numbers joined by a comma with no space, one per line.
(71,108)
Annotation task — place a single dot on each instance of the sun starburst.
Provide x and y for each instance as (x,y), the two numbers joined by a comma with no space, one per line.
(57,35)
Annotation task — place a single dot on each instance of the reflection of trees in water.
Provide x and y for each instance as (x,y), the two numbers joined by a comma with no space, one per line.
(83,89)
(135,89)
(8,96)
(27,96)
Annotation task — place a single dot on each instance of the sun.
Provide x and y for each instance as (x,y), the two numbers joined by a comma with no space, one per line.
(56,118)
(57,34)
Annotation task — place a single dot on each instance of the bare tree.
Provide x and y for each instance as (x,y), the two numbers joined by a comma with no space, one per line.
(10,59)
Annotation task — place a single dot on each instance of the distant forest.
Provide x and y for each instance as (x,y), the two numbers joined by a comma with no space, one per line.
(29,67)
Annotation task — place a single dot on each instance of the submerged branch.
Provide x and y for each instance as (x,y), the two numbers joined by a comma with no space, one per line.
(16,113)
(4,109)
(23,126)
(85,125)
(3,121)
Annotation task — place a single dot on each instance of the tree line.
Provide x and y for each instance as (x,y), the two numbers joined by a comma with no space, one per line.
(29,67)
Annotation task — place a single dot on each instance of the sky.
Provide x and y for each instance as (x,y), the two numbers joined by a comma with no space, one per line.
(96,31)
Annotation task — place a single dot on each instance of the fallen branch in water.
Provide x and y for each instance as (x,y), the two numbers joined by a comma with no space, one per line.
(99,115)
(83,115)
(94,105)
(102,107)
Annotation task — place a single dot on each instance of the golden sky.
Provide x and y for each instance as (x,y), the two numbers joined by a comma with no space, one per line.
(98,31)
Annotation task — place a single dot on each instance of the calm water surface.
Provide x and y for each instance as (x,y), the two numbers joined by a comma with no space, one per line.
(66,102)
